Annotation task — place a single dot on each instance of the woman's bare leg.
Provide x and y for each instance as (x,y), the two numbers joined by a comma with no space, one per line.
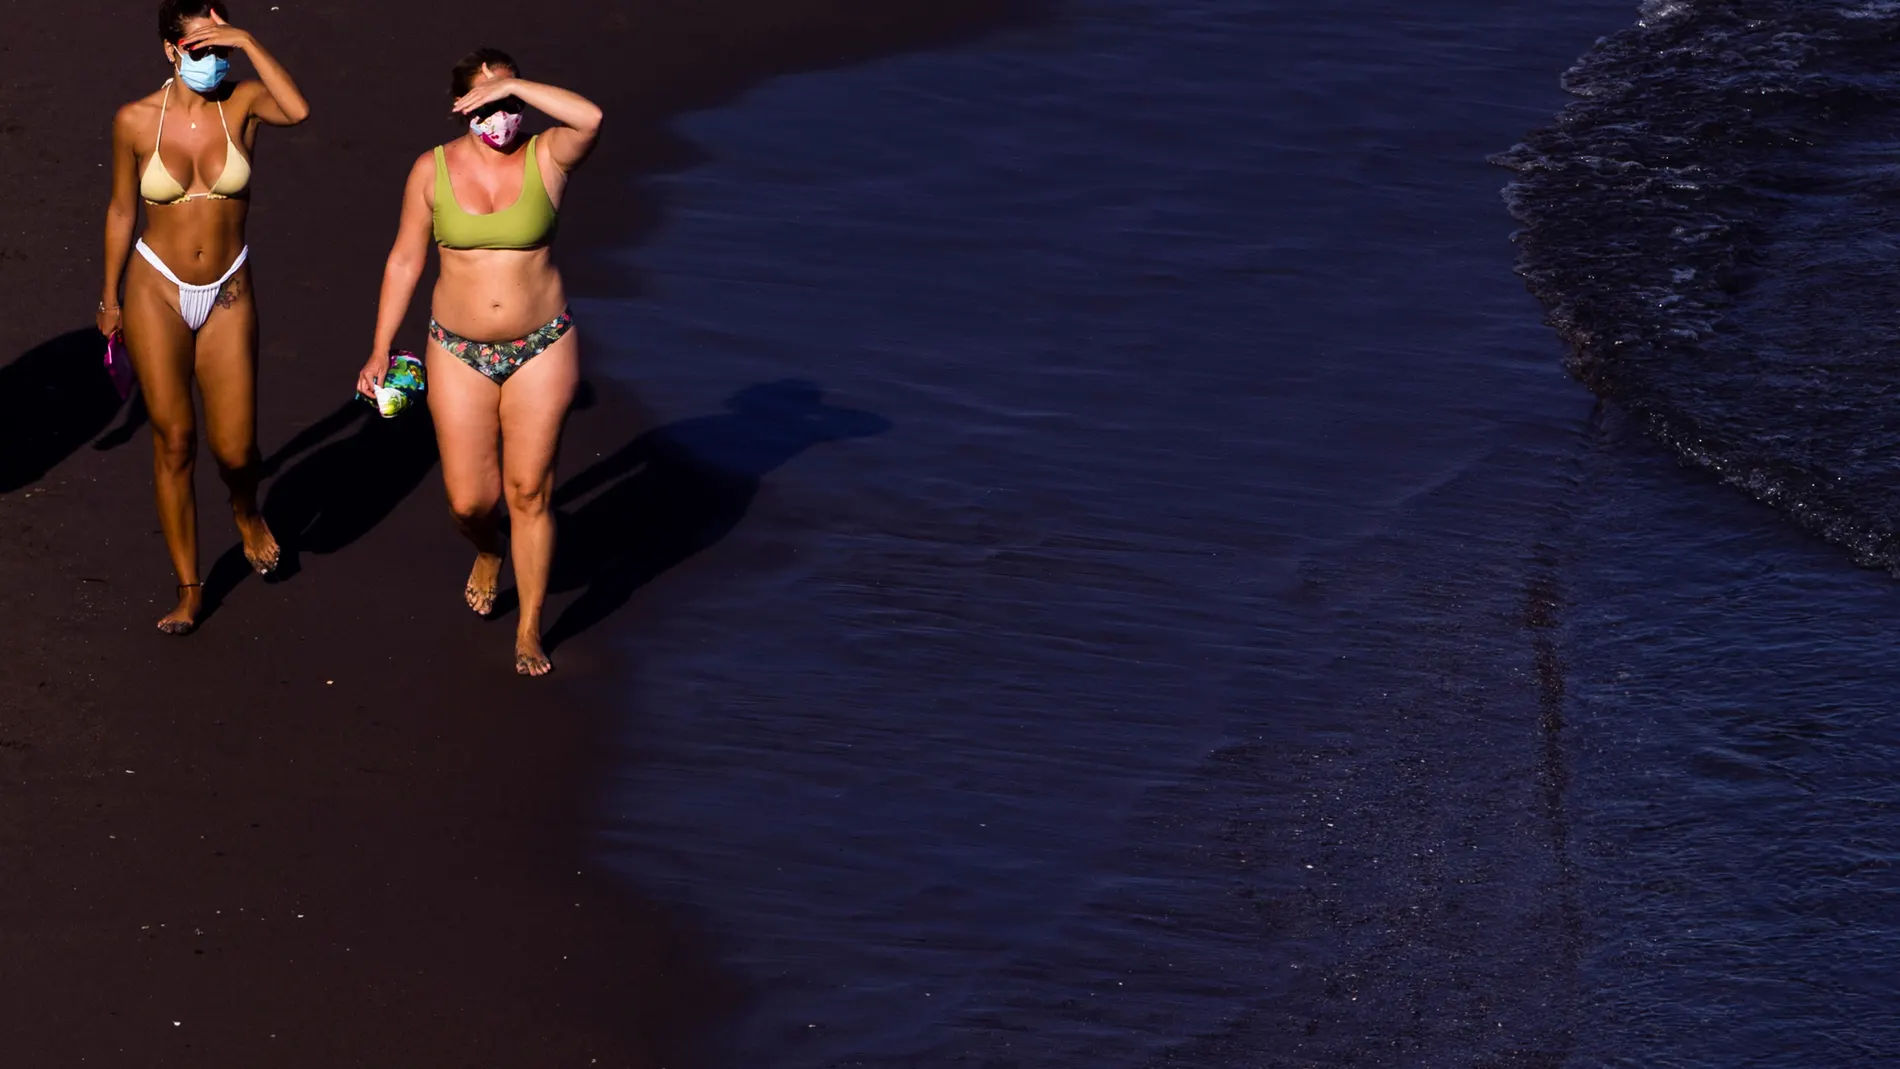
(227,377)
(465,406)
(534,404)
(161,349)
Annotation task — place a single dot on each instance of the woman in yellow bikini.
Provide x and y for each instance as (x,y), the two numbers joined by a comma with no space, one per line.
(504,355)
(187,313)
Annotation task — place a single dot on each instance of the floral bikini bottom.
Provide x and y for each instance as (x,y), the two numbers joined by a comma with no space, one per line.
(500,359)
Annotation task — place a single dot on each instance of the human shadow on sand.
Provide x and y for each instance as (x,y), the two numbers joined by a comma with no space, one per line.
(54,398)
(679,488)
(339,488)
(329,491)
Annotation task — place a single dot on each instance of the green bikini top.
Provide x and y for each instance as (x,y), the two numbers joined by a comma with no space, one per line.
(528,223)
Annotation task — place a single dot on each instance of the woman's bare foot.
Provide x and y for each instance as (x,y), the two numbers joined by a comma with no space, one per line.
(530,659)
(260,546)
(184,619)
(483,580)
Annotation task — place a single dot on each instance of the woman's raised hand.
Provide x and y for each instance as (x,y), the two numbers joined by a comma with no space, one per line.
(486,91)
(220,34)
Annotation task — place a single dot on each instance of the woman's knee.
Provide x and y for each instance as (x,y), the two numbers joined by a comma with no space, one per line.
(528,497)
(471,510)
(175,446)
(235,462)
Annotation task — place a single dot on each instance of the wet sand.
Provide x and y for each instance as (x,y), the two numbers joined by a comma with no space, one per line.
(331,828)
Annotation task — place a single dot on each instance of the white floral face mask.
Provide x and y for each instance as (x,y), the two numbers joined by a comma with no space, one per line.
(498,130)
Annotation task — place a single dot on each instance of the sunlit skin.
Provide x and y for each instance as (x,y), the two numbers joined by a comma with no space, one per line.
(198,239)
(498,442)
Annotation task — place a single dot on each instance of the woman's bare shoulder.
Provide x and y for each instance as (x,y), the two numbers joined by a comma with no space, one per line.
(139,114)
(425,162)
(421,178)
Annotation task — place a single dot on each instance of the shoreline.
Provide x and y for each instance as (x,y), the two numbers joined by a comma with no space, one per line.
(331,827)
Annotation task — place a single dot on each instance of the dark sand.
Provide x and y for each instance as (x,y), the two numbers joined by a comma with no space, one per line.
(332,828)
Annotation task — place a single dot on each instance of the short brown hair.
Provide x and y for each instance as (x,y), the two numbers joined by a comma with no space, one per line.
(173,14)
(463,77)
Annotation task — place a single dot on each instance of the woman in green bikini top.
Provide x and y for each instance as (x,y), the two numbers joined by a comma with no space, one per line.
(503,357)
(528,223)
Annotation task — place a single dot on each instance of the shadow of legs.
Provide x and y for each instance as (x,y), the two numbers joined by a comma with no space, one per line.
(339,491)
(679,489)
(128,428)
(53,399)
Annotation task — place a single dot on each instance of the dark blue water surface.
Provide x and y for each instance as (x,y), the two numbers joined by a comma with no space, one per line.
(1162,601)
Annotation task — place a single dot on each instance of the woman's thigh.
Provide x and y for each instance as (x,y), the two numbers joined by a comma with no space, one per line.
(160,345)
(227,371)
(466,407)
(534,404)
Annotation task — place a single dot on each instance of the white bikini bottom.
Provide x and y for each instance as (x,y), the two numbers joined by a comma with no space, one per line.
(194,302)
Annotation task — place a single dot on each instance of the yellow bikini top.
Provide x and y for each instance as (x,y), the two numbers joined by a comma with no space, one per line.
(158,186)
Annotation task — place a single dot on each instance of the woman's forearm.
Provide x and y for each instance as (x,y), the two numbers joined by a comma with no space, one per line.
(277,82)
(400,276)
(562,105)
(119,223)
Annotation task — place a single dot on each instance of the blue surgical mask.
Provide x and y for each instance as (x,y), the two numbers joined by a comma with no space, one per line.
(204,74)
